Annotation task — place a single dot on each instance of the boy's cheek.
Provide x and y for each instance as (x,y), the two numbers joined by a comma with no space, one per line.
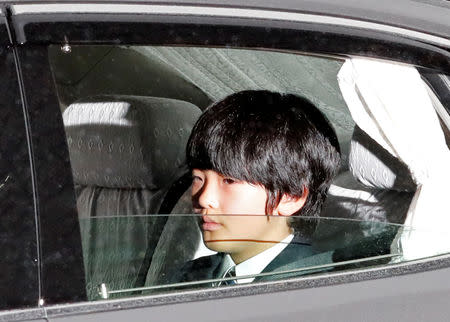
(249,200)
(250,207)
(243,202)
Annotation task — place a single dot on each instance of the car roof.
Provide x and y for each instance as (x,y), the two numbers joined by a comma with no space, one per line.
(430,16)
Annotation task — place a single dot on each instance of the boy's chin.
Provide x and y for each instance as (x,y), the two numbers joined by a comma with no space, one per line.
(219,246)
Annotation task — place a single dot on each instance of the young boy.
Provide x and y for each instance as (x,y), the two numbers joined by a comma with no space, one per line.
(260,162)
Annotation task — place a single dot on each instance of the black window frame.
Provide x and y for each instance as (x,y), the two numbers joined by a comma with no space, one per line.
(56,194)
(20,266)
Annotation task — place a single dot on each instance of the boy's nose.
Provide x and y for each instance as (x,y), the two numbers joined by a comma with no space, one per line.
(207,197)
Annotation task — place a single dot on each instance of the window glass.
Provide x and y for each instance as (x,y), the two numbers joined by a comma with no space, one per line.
(182,262)
(128,112)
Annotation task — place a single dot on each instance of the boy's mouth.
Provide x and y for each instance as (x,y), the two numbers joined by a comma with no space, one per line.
(209,224)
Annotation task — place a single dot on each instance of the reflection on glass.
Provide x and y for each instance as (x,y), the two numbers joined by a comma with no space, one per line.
(124,256)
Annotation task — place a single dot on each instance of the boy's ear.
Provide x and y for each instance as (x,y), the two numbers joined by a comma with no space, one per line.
(289,205)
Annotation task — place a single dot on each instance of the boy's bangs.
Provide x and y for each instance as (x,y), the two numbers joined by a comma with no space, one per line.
(220,154)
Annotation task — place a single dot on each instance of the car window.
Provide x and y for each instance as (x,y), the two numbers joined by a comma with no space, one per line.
(128,112)
(337,245)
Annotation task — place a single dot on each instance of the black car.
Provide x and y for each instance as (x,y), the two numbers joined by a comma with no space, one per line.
(98,99)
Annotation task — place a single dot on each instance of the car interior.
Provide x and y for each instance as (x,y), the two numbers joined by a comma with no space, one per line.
(128,112)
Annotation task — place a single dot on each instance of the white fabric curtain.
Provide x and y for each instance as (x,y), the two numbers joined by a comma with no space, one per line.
(390,102)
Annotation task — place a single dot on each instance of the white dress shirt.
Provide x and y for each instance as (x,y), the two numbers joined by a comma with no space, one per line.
(255,264)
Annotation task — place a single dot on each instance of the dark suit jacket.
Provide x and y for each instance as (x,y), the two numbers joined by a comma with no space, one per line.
(299,253)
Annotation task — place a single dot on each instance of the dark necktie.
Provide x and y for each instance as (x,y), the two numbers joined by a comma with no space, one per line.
(231,272)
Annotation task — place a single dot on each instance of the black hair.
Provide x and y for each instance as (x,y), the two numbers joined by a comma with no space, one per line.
(280,141)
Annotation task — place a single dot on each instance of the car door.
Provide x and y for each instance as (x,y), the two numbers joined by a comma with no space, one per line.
(46,35)
(20,265)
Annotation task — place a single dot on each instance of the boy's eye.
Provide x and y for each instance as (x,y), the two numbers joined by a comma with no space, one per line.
(229,181)
(196,179)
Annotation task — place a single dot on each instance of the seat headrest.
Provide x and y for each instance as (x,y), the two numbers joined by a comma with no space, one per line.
(128,141)
(375,167)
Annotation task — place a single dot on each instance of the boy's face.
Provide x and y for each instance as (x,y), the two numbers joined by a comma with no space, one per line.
(233,215)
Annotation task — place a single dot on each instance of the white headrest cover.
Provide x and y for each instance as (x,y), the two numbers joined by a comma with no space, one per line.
(128,141)
(375,167)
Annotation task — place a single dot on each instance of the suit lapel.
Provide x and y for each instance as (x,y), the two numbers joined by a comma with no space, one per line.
(299,253)
(292,253)
(203,268)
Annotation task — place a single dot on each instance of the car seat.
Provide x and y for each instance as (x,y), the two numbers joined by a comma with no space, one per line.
(377,189)
(126,152)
